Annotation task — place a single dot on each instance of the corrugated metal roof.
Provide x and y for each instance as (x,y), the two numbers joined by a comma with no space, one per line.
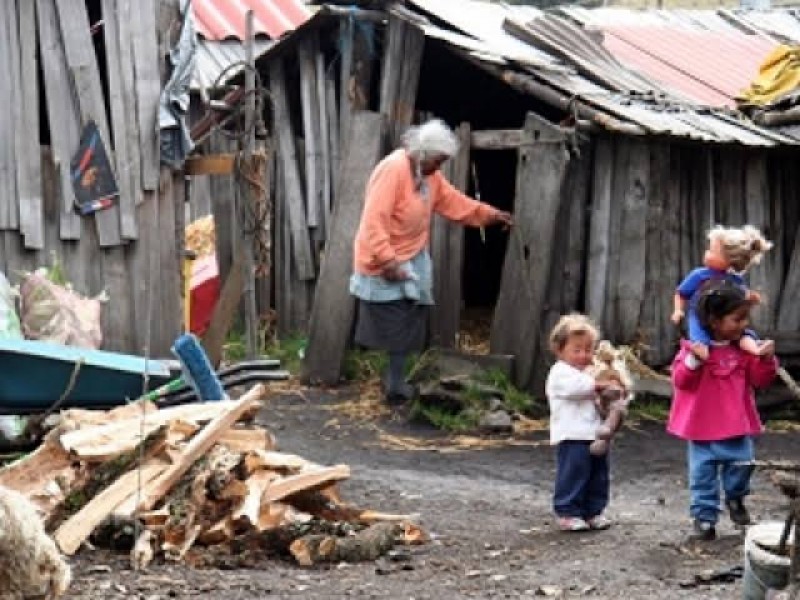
(484,21)
(225,19)
(677,103)
(214,57)
(700,55)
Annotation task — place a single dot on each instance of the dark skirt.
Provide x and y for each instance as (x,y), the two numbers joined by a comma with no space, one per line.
(397,326)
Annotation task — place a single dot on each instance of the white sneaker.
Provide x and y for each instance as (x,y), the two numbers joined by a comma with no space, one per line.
(572,524)
(599,522)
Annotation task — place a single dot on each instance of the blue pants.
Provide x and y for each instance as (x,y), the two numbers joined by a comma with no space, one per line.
(711,461)
(582,481)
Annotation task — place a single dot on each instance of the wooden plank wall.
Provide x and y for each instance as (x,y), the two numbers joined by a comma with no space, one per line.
(447,253)
(685,189)
(541,170)
(38,223)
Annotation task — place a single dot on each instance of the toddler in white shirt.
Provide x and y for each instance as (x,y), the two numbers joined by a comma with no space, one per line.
(582,479)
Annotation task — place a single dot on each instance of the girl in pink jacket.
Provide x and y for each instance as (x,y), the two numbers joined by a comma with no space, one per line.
(714,409)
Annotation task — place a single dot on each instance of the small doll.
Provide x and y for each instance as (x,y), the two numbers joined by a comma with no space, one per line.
(731,252)
(612,403)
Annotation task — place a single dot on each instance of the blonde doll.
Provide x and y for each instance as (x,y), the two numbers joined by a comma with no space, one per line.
(731,252)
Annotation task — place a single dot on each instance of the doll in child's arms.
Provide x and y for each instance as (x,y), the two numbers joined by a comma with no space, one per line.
(614,387)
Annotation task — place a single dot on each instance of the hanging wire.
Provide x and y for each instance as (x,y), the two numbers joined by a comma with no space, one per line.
(233,125)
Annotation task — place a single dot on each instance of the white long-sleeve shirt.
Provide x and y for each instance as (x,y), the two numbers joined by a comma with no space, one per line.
(570,394)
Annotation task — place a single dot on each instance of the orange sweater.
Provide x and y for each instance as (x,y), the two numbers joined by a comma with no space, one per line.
(396,221)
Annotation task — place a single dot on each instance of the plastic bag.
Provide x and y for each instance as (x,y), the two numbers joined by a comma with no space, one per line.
(56,313)
(9,320)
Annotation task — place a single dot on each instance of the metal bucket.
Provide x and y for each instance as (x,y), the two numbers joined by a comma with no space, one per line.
(764,570)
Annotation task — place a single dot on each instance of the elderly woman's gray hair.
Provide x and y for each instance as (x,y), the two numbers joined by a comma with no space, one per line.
(430,139)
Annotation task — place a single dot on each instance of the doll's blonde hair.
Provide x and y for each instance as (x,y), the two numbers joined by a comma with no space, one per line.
(742,246)
(568,326)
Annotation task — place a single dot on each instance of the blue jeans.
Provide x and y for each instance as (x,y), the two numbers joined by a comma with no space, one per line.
(711,461)
(582,481)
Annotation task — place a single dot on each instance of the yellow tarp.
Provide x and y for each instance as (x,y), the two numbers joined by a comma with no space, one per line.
(777,75)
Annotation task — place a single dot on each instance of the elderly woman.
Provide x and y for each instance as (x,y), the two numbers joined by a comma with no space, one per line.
(392,277)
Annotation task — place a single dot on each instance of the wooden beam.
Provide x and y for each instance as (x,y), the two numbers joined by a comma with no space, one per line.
(287,157)
(630,281)
(117,18)
(85,73)
(144,41)
(599,223)
(210,164)
(400,75)
(63,113)
(29,180)
(447,254)
(334,307)
(541,169)
(498,139)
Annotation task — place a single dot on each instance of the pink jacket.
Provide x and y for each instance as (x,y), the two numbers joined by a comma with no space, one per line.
(715,401)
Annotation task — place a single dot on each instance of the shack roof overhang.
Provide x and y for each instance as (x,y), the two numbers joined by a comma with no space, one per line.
(547,77)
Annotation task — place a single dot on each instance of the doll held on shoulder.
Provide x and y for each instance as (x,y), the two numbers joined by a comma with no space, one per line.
(731,252)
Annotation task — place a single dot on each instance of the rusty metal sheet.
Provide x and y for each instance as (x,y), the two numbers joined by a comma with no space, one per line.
(223,19)
(484,21)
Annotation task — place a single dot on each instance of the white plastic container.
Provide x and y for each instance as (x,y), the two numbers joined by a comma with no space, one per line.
(764,570)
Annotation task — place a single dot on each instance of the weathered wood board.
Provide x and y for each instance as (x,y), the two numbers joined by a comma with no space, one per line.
(541,169)
(334,307)
(447,254)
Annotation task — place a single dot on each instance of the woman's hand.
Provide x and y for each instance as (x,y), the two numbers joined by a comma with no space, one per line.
(393,272)
(504,218)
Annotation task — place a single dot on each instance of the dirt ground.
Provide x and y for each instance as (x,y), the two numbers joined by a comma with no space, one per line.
(488,514)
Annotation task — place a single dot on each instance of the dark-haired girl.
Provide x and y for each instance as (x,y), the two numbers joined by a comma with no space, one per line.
(714,407)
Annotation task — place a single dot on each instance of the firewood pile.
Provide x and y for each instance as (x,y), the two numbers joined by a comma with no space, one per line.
(199,483)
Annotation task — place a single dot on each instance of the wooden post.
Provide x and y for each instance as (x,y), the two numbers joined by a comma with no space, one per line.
(401,64)
(599,224)
(287,161)
(334,307)
(447,254)
(244,195)
(757,209)
(541,169)
(629,280)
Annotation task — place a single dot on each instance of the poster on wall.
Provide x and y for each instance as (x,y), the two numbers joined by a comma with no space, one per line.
(92,177)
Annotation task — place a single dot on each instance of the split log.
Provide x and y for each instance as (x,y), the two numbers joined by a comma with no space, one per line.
(44,476)
(369,544)
(199,445)
(317,504)
(142,551)
(118,437)
(305,480)
(275,461)
(77,529)
(249,511)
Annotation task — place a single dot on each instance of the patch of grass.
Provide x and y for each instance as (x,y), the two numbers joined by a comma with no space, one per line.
(649,407)
(235,347)
(515,399)
(363,365)
(289,350)
(443,419)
